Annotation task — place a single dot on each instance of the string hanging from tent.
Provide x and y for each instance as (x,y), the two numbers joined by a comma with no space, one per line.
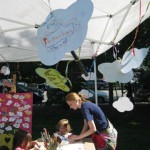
(92,65)
(115,52)
(90,70)
(49,6)
(66,73)
(137,29)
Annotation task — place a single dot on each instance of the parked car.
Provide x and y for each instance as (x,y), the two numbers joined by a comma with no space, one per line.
(101,84)
(102,97)
(37,93)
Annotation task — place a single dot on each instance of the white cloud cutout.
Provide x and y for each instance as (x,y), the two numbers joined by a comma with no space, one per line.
(16,125)
(123,104)
(122,70)
(19,121)
(20,114)
(25,125)
(27,119)
(130,61)
(9,128)
(27,107)
(91,76)
(16,96)
(5,70)
(112,72)
(86,93)
(11,113)
(4,119)
(9,102)
(64,30)
(12,119)
(16,104)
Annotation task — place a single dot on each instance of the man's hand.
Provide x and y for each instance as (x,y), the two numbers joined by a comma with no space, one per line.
(73,137)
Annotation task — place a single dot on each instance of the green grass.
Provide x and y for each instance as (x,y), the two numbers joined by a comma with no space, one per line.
(133,127)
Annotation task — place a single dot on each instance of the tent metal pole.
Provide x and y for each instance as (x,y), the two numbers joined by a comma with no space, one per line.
(25,58)
(100,42)
(15,29)
(132,2)
(3,46)
(3,57)
(97,17)
(122,23)
(17,22)
(21,48)
(95,73)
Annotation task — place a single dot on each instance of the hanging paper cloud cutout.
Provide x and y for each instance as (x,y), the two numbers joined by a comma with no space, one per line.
(122,72)
(53,78)
(130,61)
(123,104)
(5,70)
(91,76)
(86,93)
(64,30)
(112,72)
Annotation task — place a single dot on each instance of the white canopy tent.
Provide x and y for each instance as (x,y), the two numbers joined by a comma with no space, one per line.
(111,21)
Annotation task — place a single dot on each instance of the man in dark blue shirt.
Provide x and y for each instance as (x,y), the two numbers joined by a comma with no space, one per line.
(91,112)
(103,133)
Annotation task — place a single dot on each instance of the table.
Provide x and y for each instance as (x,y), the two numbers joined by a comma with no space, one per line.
(88,144)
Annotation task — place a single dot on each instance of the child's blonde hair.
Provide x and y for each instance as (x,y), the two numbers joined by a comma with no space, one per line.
(64,123)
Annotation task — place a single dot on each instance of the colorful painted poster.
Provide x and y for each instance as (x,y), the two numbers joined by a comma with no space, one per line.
(15,112)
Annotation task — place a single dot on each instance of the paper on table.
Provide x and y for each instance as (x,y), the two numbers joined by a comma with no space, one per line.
(39,148)
(73,146)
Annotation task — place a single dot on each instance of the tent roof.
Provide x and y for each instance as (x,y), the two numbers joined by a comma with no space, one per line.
(111,21)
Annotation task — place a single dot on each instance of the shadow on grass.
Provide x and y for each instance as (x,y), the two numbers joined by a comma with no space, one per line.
(133,127)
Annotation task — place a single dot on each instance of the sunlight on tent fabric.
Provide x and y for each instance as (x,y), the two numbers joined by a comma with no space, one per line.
(110,22)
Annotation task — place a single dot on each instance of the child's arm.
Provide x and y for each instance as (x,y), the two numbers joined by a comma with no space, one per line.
(33,143)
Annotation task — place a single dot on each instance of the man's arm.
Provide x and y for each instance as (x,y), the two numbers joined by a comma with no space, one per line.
(85,133)
(85,127)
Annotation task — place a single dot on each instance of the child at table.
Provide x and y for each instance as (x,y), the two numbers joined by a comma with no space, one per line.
(64,130)
(23,141)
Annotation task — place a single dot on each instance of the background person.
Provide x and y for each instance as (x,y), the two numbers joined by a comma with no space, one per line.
(104,135)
